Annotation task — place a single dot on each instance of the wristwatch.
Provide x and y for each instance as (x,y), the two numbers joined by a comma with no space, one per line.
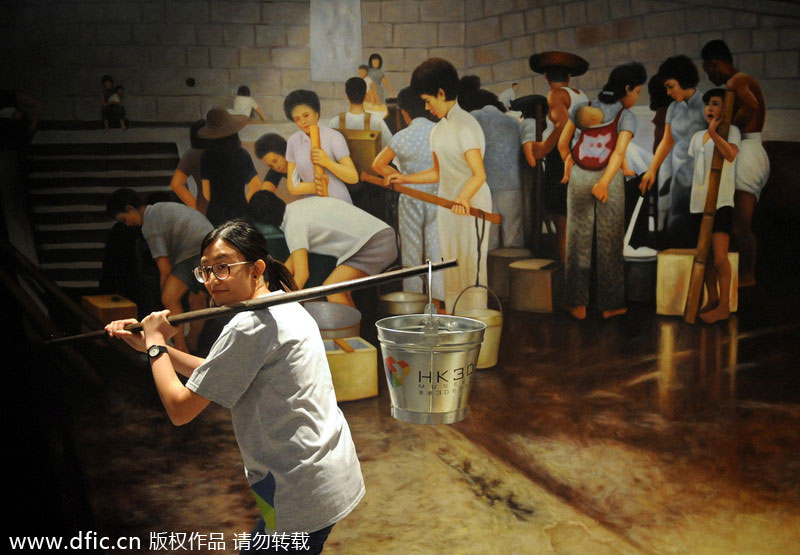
(154,351)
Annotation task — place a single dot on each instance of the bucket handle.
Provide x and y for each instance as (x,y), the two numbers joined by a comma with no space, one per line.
(478,286)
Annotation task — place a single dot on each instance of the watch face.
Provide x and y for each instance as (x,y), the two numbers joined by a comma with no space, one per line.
(154,351)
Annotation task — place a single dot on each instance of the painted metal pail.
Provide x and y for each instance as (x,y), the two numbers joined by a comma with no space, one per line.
(429,374)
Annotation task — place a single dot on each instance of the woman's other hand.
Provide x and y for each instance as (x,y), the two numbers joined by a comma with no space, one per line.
(156,324)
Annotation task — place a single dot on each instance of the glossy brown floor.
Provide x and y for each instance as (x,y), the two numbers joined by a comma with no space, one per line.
(640,434)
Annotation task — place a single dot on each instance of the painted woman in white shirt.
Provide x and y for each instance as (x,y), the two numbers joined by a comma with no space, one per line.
(458,145)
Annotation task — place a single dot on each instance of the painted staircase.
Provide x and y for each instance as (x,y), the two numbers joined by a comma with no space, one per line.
(68,186)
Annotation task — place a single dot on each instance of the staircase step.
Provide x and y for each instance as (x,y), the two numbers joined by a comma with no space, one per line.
(104,183)
(102,164)
(71,252)
(64,234)
(103,149)
(87,215)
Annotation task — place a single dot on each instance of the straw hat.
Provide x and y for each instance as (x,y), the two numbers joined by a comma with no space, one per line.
(219,123)
(542,61)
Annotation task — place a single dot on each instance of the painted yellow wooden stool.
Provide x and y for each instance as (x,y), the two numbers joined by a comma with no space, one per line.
(672,280)
(107,308)
(354,368)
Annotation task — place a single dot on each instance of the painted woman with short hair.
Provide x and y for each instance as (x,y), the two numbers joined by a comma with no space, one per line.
(458,145)
(302,108)
(268,367)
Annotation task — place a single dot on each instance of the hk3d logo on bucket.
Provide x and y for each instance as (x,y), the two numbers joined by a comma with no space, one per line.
(397,370)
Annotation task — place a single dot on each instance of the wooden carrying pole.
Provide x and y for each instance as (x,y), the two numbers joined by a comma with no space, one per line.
(427,197)
(696,279)
(272,300)
(319,171)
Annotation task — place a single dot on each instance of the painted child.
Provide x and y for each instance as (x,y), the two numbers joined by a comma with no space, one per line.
(701,148)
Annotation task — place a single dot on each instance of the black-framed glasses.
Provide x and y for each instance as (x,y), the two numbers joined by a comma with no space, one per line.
(221,270)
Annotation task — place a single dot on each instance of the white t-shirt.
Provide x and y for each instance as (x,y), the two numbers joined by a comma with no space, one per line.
(702,154)
(243,106)
(327,225)
(269,368)
(356,121)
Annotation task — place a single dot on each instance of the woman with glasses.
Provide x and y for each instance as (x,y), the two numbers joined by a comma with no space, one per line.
(268,366)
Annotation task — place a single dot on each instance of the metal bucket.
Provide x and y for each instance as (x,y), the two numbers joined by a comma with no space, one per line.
(403,302)
(429,375)
(335,319)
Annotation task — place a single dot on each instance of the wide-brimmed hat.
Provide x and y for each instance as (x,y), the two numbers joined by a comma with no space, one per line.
(542,61)
(219,123)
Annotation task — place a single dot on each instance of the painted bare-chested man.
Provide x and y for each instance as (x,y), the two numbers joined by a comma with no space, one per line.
(558,68)
(752,168)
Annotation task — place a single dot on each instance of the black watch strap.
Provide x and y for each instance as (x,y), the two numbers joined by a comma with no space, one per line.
(155,351)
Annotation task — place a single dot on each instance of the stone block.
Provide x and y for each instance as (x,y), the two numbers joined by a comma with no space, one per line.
(174,33)
(511,70)
(764,40)
(238,35)
(85,108)
(113,33)
(781,93)
(415,35)
(596,56)
(483,31)
(223,57)
(698,20)
(497,7)
(441,10)
(554,17)
(235,12)
(483,72)
(292,79)
(283,12)
(473,9)
(152,12)
(512,25)
(689,43)
(592,35)
(400,11)
(145,33)
(130,56)
(641,7)
(270,35)
(738,40)
(451,34)
(655,49)
(522,46)
(545,41)
(179,108)
(534,20)
(57,108)
(112,12)
(172,82)
(489,53)
(617,54)
(397,78)
(254,57)
(141,108)
(454,55)
(752,63)
(167,56)
(780,64)
(371,11)
(566,39)
(197,56)
(665,23)
(186,12)
(393,58)
(413,57)
(721,19)
(209,34)
(78,33)
(598,10)
(263,81)
(745,19)
(575,13)
(789,38)
(291,57)
(376,34)
(298,35)
(627,28)
(619,8)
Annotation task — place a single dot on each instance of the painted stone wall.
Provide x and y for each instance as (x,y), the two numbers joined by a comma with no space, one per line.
(58,49)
